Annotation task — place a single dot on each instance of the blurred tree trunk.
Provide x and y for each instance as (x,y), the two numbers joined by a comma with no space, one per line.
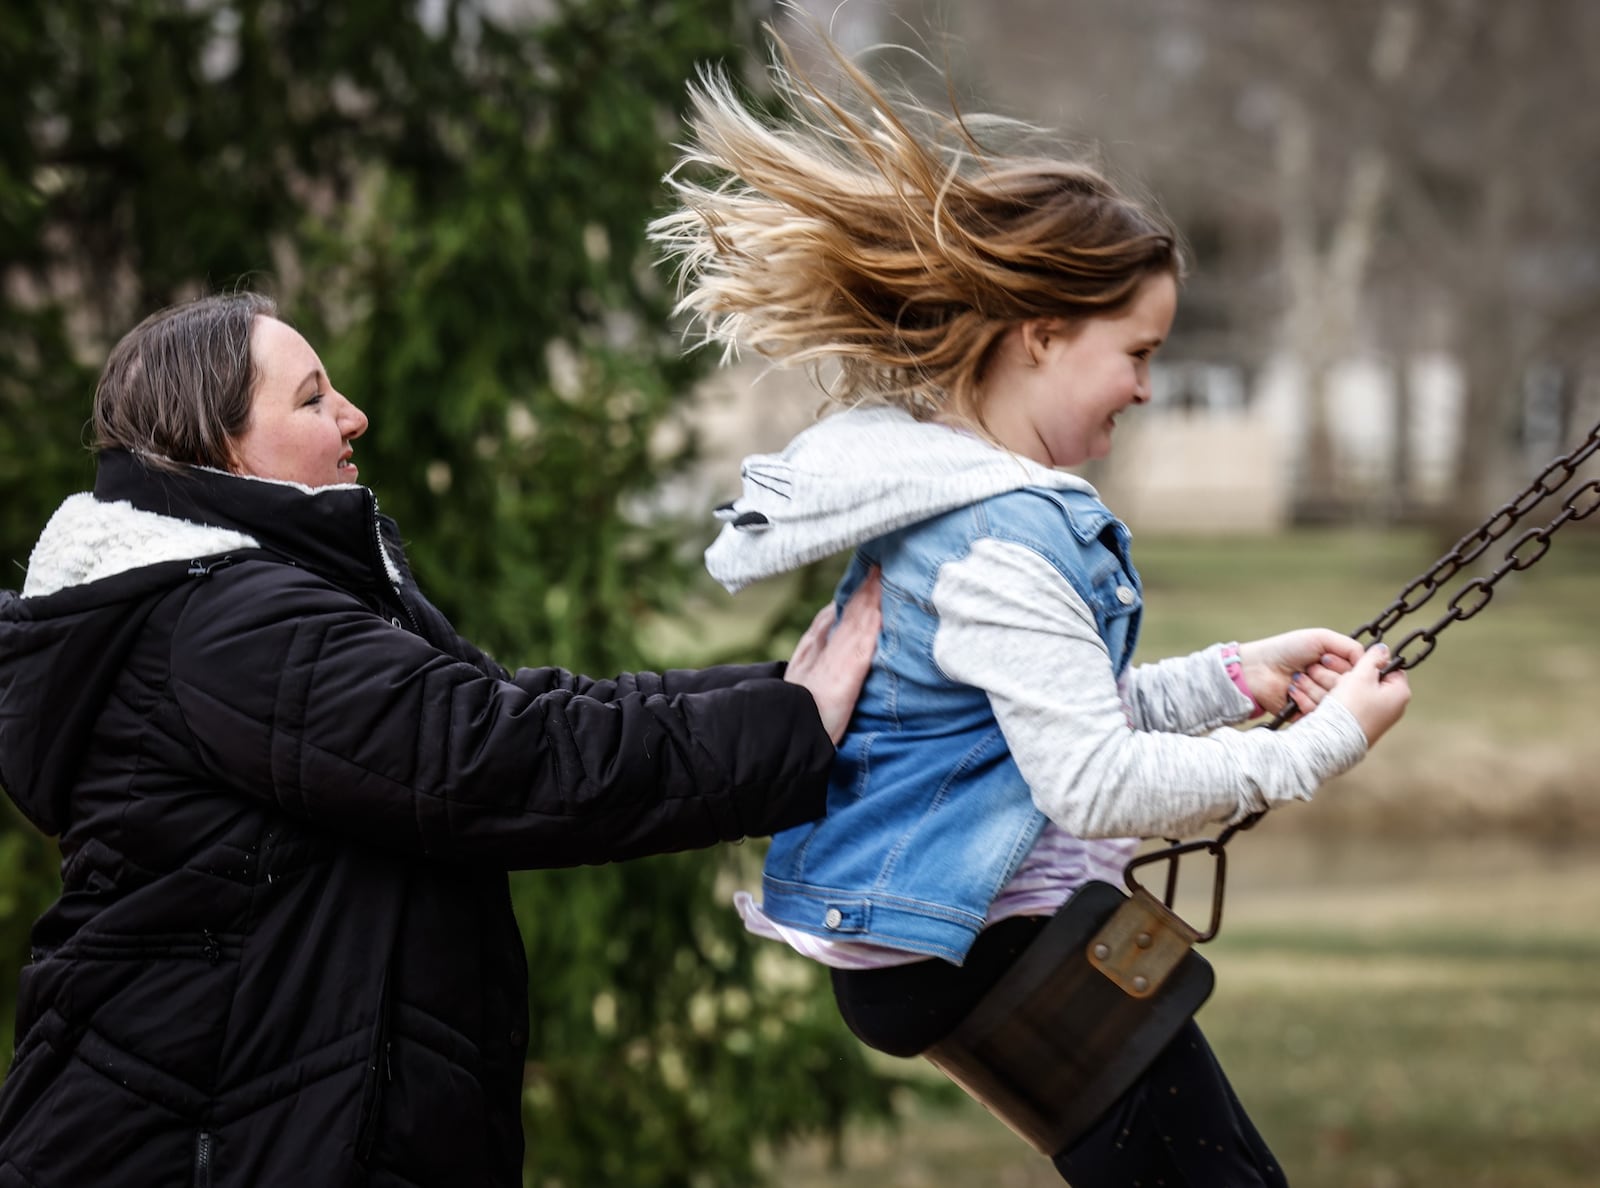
(1326,289)
(1396,506)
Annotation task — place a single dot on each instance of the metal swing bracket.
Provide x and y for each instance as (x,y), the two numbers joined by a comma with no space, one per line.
(1145,939)
(1141,944)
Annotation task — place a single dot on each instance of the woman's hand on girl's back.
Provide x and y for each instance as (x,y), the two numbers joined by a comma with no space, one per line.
(833,656)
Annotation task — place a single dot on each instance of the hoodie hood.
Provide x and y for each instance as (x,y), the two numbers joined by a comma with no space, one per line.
(854,477)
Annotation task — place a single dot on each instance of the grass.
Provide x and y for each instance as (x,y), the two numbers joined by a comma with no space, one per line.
(1409,970)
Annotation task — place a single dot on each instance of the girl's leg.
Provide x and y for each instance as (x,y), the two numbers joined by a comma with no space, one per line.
(1180,1126)
(905,1009)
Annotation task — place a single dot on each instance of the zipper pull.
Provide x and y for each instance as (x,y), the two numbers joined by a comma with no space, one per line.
(199,569)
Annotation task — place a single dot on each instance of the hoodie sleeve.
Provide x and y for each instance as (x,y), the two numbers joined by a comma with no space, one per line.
(294,693)
(1011,624)
(1186,694)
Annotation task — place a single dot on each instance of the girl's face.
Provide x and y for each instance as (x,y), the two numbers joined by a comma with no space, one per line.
(300,428)
(1055,388)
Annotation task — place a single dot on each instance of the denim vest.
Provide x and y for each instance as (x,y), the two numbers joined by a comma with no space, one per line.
(928,816)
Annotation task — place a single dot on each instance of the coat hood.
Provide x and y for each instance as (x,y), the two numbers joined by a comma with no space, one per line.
(60,655)
(102,563)
(854,477)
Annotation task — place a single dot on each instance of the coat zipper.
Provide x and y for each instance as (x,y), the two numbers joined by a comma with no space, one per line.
(202,1159)
(389,568)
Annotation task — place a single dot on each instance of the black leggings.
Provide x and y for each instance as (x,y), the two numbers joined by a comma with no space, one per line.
(1180,1124)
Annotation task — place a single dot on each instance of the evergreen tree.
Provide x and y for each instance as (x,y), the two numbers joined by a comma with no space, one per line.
(452,208)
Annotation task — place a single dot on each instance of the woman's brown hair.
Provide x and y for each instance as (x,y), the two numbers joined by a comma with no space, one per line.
(178,386)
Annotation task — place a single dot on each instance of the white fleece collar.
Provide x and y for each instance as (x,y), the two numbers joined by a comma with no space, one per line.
(87,540)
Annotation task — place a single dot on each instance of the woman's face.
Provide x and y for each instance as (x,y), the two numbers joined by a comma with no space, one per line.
(1058,387)
(300,428)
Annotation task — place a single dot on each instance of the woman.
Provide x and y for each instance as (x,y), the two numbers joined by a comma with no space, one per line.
(287,794)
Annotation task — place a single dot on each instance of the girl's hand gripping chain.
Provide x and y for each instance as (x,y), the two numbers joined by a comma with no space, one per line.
(1308,665)
(1301,665)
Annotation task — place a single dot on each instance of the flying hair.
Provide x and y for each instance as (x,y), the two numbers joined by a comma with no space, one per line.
(883,237)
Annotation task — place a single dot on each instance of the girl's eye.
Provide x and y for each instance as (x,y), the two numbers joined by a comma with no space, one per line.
(314,398)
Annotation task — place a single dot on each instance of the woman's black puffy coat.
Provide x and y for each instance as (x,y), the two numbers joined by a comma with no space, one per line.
(287,794)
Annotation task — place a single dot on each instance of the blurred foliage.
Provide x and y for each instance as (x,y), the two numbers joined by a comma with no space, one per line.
(452,208)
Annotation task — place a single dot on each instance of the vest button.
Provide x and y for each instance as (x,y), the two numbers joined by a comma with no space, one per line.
(1125,595)
(833,919)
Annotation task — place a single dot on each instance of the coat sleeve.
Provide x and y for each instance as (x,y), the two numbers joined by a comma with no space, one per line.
(294,692)
(537,681)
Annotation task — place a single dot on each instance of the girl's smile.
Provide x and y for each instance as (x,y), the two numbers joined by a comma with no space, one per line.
(1055,388)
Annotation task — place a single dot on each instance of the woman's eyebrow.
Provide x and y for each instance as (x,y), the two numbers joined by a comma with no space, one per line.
(312,377)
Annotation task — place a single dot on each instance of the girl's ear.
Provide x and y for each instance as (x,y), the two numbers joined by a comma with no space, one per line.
(1034,336)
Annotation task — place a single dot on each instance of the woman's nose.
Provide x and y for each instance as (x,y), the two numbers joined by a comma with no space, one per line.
(352,421)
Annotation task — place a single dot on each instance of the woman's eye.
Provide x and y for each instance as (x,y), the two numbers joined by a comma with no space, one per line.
(314,398)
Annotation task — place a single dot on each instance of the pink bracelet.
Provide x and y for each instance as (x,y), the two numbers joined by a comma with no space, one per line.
(1234,667)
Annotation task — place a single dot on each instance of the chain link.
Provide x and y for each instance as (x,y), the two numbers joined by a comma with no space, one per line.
(1477,593)
(1523,553)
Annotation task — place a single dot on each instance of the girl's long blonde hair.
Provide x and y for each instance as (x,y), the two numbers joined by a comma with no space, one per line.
(887,239)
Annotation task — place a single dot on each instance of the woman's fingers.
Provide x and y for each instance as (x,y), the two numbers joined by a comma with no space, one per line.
(833,657)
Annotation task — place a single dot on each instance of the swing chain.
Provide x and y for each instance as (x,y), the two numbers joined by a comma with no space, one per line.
(1583,502)
(1471,598)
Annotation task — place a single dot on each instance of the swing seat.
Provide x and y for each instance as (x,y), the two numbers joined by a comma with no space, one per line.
(1082,1013)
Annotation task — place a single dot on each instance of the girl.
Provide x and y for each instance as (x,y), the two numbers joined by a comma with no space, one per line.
(991,316)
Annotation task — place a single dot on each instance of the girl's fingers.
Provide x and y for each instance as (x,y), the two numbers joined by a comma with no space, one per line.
(1321,675)
(1341,650)
(1301,698)
(1307,688)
